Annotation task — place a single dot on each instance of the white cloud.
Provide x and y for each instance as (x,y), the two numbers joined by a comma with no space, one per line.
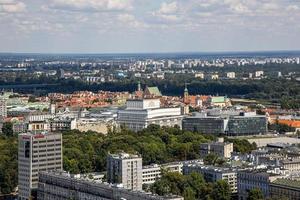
(92,5)
(168,8)
(168,12)
(130,20)
(11,6)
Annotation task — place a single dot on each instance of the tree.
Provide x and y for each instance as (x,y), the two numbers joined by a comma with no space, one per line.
(7,129)
(221,191)
(255,194)
(189,193)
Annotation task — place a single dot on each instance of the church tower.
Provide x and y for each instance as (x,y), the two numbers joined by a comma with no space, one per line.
(186,94)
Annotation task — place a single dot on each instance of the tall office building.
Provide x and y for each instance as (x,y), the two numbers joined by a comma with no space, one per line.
(37,152)
(125,169)
(3,107)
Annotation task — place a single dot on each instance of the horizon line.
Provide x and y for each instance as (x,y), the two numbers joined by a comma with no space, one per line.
(163,52)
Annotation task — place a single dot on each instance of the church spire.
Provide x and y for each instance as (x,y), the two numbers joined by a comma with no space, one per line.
(139,86)
(186,93)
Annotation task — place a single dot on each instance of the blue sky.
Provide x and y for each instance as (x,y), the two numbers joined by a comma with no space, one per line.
(122,26)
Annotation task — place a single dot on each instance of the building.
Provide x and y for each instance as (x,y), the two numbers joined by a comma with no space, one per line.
(219,101)
(199,75)
(285,188)
(230,75)
(3,107)
(234,125)
(36,153)
(140,113)
(250,179)
(292,164)
(125,169)
(63,186)
(62,124)
(220,148)
(259,74)
(213,174)
(153,172)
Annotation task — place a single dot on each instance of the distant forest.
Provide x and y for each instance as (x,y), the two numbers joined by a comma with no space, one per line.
(272,90)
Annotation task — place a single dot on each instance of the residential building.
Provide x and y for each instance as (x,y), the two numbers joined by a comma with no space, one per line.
(213,174)
(62,124)
(250,179)
(63,186)
(285,188)
(37,152)
(292,164)
(140,113)
(220,148)
(153,172)
(125,169)
(3,107)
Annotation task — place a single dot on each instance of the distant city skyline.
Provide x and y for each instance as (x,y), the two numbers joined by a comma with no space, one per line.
(147,26)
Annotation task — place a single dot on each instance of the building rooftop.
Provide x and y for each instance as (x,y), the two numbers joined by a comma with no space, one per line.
(287,182)
(124,156)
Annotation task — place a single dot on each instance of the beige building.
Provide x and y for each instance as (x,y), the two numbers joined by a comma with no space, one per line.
(37,152)
(285,188)
(291,164)
(220,148)
(125,169)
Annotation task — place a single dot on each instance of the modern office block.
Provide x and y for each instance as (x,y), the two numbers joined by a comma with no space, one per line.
(37,152)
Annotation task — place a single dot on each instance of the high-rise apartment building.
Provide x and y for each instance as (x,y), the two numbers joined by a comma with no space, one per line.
(3,107)
(37,152)
(125,169)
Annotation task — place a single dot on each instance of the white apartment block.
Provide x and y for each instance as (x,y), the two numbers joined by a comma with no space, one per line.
(36,153)
(125,169)
(153,172)
(140,113)
(213,174)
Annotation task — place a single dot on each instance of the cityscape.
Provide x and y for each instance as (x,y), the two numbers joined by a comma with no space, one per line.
(149,100)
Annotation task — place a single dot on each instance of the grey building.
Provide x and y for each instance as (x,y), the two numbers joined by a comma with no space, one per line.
(125,169)
(37,152)
(3,107)
(285,188)
(247,125)
(234,125)
(63,186)
(206,125)
(250,179)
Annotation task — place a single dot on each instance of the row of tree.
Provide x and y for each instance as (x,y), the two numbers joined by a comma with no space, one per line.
(85,152)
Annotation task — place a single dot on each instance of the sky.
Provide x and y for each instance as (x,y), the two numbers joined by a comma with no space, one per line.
(140,26)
